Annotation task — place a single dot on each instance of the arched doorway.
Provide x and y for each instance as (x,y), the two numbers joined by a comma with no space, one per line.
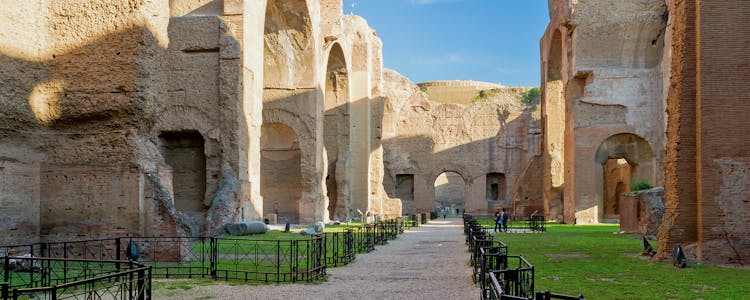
(449,193)
(184,152)
(495,192)
(336,132)
(625,158)
(617,173)
(280,177)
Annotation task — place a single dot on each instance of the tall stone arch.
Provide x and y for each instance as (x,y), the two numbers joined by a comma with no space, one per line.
(336,131)
(292,89)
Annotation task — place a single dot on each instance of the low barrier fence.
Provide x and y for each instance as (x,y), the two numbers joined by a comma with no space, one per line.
(494,257)
(243,259)
(412,220)
(55,278)
(499,275)
(530,224)
(343,248)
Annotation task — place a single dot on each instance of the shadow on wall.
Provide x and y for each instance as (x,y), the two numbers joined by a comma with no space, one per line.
(80,123)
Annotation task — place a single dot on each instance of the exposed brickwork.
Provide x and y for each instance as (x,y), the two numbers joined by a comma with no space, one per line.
(679,221)
(708,155)
(723,147)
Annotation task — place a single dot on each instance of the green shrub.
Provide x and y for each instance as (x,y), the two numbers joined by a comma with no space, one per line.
(530,96)
(487,94)
(640,185)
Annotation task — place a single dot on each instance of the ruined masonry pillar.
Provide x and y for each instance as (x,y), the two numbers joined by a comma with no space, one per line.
(359,172)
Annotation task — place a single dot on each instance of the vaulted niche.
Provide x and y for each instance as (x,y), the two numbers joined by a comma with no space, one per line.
(184,152)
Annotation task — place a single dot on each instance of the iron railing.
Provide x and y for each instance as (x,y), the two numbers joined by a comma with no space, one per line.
(497,278)
(340,248)
(54,278)
(242,259)
(516,279)
(494,257)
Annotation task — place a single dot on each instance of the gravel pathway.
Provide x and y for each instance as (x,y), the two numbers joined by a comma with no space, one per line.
(427,262)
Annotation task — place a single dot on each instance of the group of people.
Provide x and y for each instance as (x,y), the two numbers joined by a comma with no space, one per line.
(501,220)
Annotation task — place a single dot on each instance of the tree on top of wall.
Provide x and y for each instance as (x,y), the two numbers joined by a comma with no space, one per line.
(531,96)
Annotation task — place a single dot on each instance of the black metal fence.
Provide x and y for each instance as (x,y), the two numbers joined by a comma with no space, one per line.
(529,224)
(494,257)
(412,220)
(342,249)
(499,275)
(55,278)
(268,260)
(517,279)
(242,259)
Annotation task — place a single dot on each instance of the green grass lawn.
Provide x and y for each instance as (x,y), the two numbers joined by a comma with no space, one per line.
(591,260)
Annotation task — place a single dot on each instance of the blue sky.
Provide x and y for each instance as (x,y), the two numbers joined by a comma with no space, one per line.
(486,40)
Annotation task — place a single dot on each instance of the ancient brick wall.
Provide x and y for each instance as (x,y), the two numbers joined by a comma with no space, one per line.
(723,147)
(680,218)
(595,87)
(706,194)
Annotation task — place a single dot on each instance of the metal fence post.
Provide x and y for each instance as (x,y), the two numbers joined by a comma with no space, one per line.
(214,256)
(140,285)
(539,295)
(6,269)
(278,260)
(118,243)
(117,254)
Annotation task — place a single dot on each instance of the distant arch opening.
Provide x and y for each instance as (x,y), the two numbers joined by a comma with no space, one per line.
(281,175)
(449,193)
(617,173)
(184,153)
(626,159)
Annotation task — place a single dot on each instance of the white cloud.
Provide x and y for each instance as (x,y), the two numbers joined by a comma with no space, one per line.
(455,58)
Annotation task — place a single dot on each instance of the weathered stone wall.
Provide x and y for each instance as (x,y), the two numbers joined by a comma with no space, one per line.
(424,139)
(22,57)
(668,56)
(328,98)
(97,93)
(165,100)
(81,110)
(642,211)
(596,87)
(706,183)
(455,91)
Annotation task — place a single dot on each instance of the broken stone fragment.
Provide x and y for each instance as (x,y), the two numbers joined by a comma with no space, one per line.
(247,228)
